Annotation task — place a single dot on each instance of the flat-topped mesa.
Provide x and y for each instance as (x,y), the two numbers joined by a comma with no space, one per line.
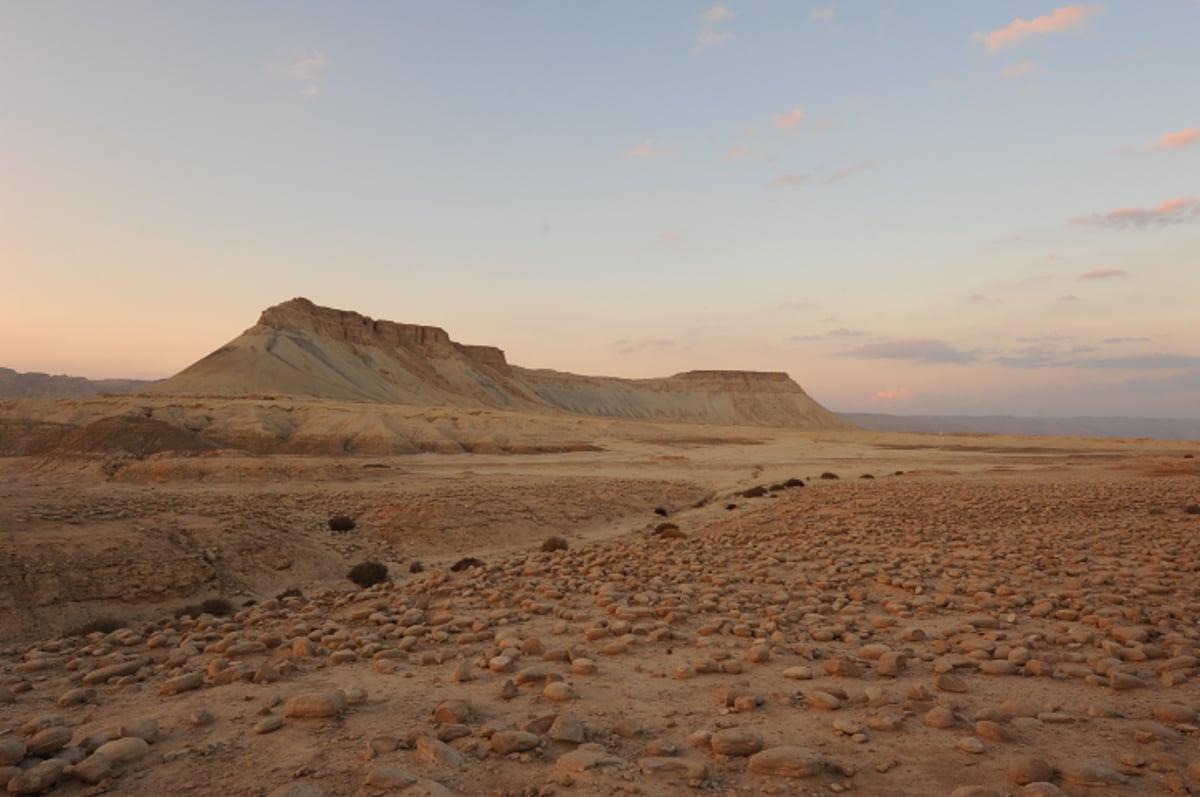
(741,381)
(488,356)
(351,327)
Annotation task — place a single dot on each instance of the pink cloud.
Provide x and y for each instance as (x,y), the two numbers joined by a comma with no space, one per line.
(734,153)
(1018,30)
(1180,139)
(718,14)
(713,38)
(670,237)
(1172,211)
(790,179)
(821,14)
(1102,273)
(891,394)
(789,119)
(1018,70)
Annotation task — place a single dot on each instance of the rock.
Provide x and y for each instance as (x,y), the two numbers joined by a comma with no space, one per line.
(559,692)
(939,717)
(39,777)
(975,791)
(104,674)
(736,742)
(1029,769)
(268,724)
(124,750)
(438,752)
(316,705)
(301,788)
(91,770)
(969,744)
(788,761)
(390,778)
(49,741)
(182,683)
(658,765)
(819,698)
(992,731)
(146,729)
(566,728)
(891,664)
(1042,789)
(1090,772)
(587,757)
(77,696)
(1122,681)
(1174,713)
(453,711)
(798,673)
(505,742)
(949,682)
(12,751)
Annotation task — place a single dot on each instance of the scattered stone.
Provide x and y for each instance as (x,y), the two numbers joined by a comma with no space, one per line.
(787,761)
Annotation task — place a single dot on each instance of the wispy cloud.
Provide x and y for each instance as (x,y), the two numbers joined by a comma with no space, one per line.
(790,119)
(1061,19)
(646,150)
(821,14)
(791,179)
(1102,274)
(1119,341)
(1178,139)
(803,338)
(670,237)
(924,350)
(891,394)
(735,153)
(1172,211)
(635,346)
(713,38)
(1018,70)
(849,171)
(718,14)
(1070,297)
(306,68)
(842,332)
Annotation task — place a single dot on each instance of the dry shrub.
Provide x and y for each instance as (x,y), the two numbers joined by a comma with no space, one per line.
(668,530)
(730,507)
(368,574)
(416,567)
(866,476)
(290,592)
(757,491)
(465,563)
(830,476)
(1192,509)
(793,482)
(102,625)
(660,511)
(341,523)
(217,607)
(554,544)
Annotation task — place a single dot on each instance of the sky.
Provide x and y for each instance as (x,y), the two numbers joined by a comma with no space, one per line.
(911,207)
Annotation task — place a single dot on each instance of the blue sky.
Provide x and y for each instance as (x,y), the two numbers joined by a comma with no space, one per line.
(910,207)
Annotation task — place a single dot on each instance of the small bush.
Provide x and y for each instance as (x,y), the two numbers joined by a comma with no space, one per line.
(217,607)
(898,473)
(1156,510)
(730,507)
(368,574)
(103,625)
(290,592)
(668,530)
(192,610)
(341,524)
(466,563)
(1189,456)
(758,491)
(866,476)
(1192,509)
(554,544)
(793,482)
(660,511)
(830,476)
(416,567)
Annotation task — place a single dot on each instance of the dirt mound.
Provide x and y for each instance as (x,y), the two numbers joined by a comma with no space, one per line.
(131,434)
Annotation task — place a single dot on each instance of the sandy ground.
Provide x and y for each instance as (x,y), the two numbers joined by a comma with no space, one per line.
(982,611)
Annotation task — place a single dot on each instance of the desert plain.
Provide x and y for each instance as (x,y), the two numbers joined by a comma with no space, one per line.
(951,615)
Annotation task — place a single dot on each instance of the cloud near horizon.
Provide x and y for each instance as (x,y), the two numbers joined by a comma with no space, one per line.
(1018,70)
(923,350)
(306,68)
(790,179)
(891,394)
(849,171)
(1057,21)
(1178,139)
(1171,211)
(1103,273)
(713,38)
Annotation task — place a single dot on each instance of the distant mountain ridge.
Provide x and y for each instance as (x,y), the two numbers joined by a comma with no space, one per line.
(1110,427)
(301,349)
(33,384)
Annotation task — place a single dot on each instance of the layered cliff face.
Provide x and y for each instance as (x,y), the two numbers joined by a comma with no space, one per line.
(300,349)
